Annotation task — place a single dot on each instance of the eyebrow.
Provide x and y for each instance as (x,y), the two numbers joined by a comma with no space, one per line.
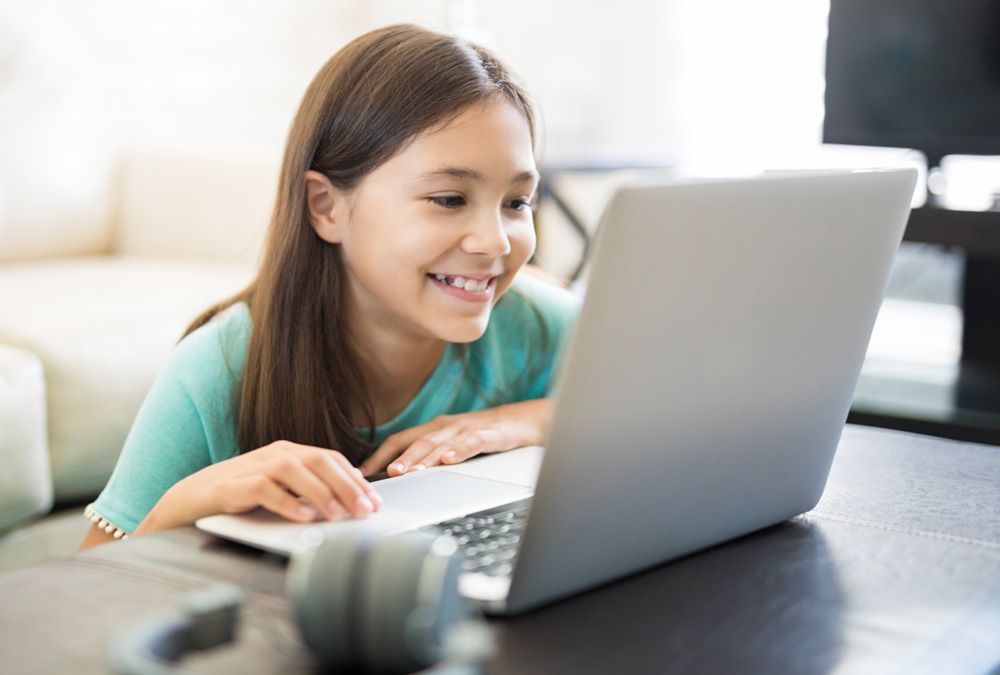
(472,174)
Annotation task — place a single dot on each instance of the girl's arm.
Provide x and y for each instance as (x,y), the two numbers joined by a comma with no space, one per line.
(96,535)
(294,481)
(450,439)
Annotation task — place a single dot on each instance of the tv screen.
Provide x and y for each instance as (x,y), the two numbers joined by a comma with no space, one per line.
(921,74)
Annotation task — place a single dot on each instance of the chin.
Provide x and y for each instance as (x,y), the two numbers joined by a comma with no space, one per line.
(464,331)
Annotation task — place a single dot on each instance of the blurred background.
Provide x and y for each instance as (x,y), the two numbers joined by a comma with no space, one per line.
(708,81)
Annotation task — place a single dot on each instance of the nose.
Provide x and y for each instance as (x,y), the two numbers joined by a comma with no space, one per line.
(488,236)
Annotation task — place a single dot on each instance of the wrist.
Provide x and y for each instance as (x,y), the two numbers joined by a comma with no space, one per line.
(538,415)
(172,510)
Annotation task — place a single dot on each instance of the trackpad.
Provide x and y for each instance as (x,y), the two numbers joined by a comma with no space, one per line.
(443,491)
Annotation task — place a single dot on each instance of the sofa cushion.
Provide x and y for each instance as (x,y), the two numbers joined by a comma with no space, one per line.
(102,328)
(195,204)
(59,152)
(25,485)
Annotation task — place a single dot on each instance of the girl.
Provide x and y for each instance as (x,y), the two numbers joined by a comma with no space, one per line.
(387,328)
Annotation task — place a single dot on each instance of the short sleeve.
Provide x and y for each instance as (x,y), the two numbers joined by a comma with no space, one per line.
(517,359)
(184,424)
(558,309)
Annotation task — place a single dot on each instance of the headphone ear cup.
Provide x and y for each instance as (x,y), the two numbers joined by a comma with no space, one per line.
(377,605)
(323,586)
(397,582)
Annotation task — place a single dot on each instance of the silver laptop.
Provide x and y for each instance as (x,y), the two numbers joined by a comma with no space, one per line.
(702,397)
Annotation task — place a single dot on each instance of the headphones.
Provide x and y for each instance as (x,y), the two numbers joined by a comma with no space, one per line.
(362,603)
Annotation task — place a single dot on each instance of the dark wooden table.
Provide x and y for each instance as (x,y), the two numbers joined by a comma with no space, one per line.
(896,571)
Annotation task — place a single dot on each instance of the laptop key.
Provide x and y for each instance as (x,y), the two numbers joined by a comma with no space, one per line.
(489,540)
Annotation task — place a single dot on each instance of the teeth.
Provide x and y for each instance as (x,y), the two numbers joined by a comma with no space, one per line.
(470,285)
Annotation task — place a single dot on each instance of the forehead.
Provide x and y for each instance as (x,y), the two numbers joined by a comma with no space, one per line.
(489,137)
(494,109)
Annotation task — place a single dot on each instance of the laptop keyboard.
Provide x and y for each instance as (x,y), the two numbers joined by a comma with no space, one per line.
(489,539)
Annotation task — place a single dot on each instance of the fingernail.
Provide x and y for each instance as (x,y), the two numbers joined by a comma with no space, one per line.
(448,456)
(336,510)
(376,499)
(417,467)
(365,505)
(398,466)
(306,511)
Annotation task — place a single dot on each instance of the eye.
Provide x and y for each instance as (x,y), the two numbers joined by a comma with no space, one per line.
(448,201)
(519,205)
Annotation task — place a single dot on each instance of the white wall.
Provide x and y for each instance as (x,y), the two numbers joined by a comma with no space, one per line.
(749,91)
(708,79)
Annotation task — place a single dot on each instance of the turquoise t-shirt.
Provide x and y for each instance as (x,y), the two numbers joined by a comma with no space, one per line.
(186,424)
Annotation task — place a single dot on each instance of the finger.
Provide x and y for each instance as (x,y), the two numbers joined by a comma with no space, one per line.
(349,487)
(409,459)
(414,458)
(261,490)
(354,473)
(346,483)
(433,457)
(396,443)
(296,476)
(388,451)
(482,441)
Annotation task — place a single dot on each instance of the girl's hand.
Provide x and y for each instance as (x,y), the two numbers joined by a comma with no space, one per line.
(450,439)
(274,477)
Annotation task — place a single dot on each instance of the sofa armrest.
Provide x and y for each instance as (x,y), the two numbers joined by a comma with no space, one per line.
(25,481)
(102,328)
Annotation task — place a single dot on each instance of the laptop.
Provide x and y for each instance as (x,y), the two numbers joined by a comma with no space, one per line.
(702,396)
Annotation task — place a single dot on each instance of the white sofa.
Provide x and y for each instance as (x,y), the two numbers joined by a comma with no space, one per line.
(98,279)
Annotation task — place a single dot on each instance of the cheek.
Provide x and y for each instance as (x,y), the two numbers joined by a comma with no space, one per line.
(522,245)
(522,242)
(400,243)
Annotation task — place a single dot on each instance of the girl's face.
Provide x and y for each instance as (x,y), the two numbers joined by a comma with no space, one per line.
(434,236)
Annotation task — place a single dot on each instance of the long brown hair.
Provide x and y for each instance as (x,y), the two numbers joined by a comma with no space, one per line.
(365,104)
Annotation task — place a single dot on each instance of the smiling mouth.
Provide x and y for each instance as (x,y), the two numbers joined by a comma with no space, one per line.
(470,285)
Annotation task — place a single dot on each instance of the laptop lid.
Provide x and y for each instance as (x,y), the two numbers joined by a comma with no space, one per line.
(711,371)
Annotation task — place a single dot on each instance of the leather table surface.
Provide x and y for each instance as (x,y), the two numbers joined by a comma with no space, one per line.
(897,570)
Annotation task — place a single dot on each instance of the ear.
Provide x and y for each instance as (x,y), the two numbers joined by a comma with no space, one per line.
(323,204)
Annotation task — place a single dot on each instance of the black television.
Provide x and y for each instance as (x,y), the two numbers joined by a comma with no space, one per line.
(921,74)
(925,74)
